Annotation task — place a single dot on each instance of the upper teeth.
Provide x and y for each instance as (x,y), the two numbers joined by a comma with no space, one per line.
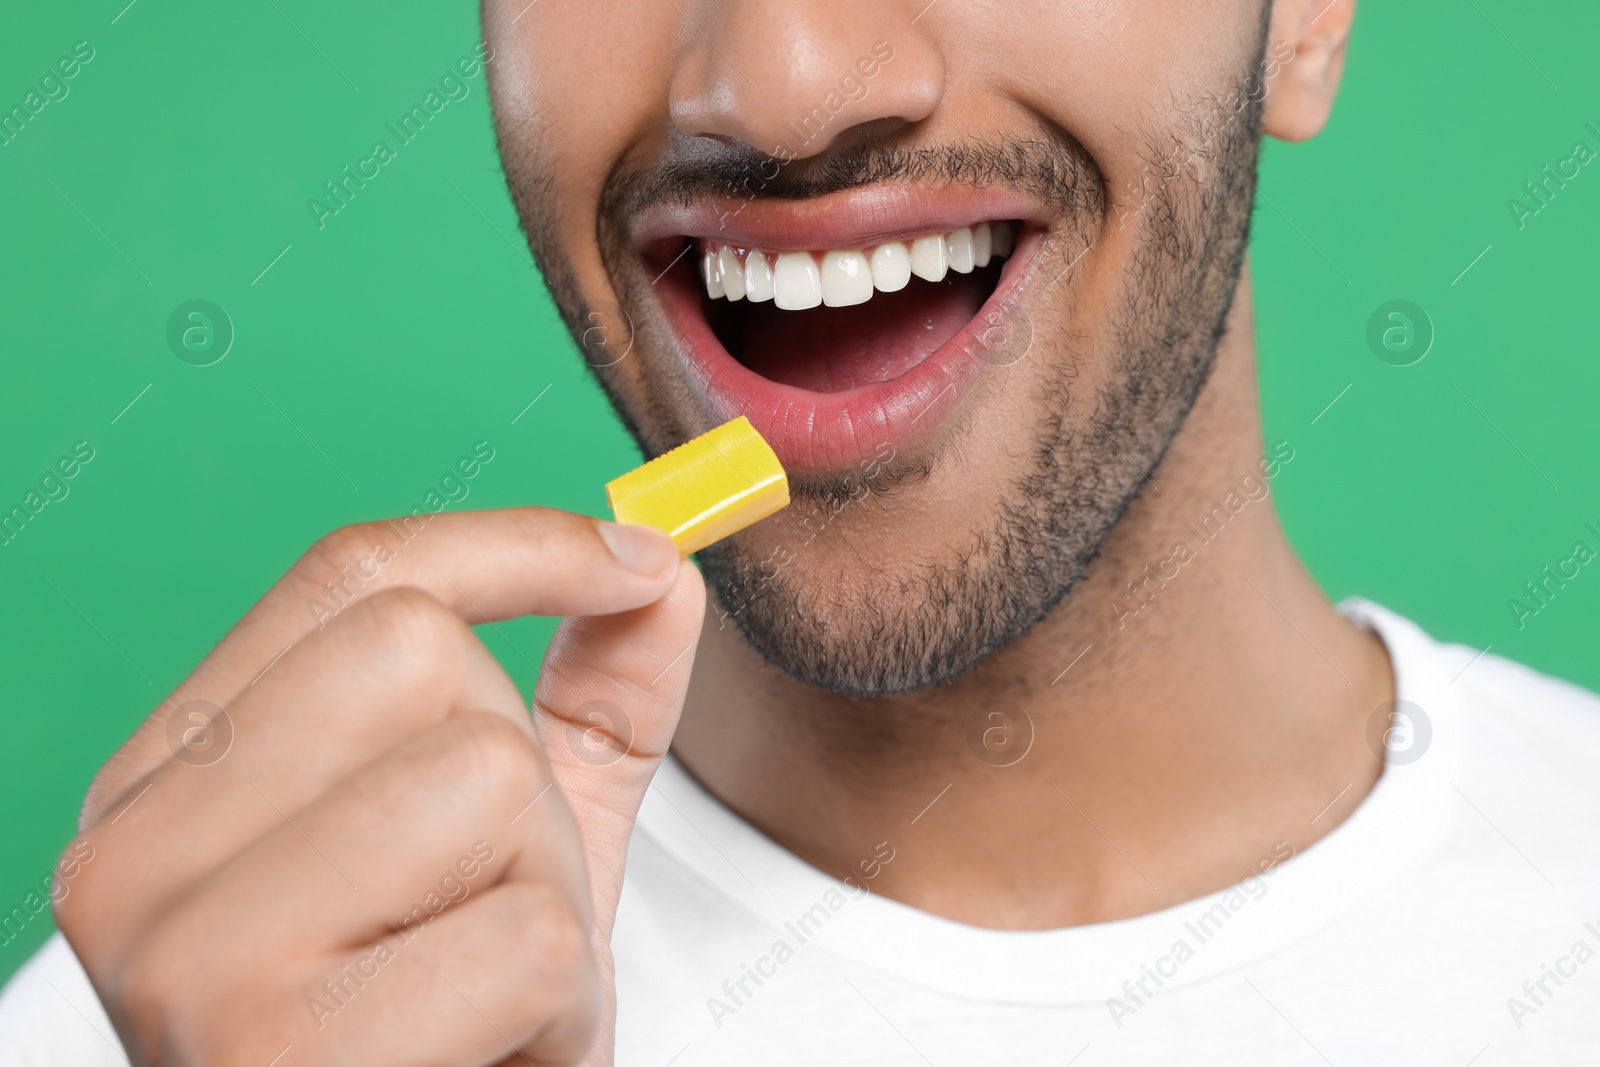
(795,281)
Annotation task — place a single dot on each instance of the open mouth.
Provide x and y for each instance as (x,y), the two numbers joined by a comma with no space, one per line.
(843,333)
(845,318)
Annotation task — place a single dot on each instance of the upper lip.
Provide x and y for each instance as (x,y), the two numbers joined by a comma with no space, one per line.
(854,218)
(828,431)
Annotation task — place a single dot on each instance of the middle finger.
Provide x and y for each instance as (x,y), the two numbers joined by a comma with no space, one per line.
(387,669)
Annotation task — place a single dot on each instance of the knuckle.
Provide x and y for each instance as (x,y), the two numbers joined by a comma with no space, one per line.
(69,864)
(80,896)
(184,992)
(186,1001)
(411,622)
(489,754)
(337,555)
(560,535)
(552,930)
(555,948)
(541,530)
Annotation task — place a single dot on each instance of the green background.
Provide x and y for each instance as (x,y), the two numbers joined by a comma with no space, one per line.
(374,352)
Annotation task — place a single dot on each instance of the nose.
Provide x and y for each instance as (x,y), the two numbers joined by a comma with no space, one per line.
(792,78)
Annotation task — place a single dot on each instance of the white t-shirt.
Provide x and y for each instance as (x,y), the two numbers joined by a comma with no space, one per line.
(1453,919)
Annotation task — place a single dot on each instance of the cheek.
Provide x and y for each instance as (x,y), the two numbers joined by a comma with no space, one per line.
(1104,72)
(573,96)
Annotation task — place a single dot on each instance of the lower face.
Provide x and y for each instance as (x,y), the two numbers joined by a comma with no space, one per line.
(968,337)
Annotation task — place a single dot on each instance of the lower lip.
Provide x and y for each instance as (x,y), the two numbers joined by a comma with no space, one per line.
(822,432)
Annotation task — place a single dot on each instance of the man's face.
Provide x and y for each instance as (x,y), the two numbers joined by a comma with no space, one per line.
(960,446)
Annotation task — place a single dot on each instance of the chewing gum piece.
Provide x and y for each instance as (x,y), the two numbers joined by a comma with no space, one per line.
(705,489)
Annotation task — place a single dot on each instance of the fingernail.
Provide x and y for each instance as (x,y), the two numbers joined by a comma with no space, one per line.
(641,549)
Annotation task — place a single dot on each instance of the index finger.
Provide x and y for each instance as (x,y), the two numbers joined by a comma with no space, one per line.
(485,565)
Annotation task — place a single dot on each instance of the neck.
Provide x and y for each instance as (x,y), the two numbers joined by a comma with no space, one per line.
(1192,713)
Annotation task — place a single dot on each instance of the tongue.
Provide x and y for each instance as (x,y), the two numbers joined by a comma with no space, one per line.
(829,350)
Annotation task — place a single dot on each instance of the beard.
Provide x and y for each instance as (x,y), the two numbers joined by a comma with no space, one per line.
(891,631)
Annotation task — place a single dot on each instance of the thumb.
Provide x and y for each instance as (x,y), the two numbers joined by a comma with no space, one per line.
(606,704)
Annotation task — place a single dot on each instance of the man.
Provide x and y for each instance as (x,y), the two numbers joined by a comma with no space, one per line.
(1021,737)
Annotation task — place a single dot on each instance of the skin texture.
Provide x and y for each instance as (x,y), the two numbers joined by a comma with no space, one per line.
(831,709)
(387,808)
(382,762)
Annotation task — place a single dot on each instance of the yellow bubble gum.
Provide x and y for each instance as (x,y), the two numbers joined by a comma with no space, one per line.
(705,489)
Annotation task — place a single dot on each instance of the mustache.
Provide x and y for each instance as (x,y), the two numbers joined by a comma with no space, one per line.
(1056,170)
(1053,168)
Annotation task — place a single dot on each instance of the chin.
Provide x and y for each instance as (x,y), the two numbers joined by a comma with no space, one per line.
(962,427)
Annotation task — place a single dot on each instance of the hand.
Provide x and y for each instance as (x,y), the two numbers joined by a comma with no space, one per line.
(387,861)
